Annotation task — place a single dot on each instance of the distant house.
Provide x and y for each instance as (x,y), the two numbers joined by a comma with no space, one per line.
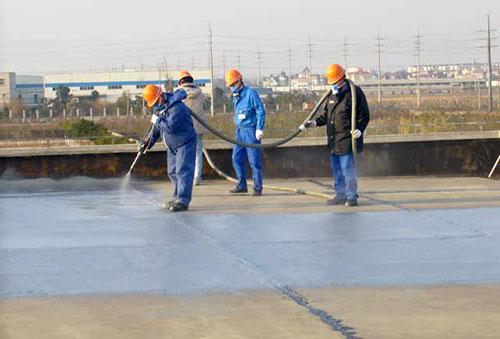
(274,81)
(360,74)
(449,71)
(283,79)
(270,82)
(305,79)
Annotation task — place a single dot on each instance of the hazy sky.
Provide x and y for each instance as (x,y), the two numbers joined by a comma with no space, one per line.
(39,36)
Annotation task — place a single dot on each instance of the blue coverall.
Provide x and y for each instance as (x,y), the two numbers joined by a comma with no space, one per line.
(175,126)
(249,116)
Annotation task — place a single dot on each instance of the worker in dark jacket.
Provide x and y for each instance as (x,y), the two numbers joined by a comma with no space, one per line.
(340,133)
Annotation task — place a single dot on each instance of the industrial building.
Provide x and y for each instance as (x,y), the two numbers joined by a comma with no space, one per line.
(109,84)
(28,88)
(113,84)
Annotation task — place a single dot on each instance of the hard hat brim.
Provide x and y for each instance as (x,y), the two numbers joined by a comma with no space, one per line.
(335,80)
(153,102)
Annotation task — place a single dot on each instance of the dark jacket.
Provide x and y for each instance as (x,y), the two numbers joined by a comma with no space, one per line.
(337,118)
(174,124)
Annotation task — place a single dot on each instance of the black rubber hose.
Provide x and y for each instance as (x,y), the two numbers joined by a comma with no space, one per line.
(271,145)
(354,141)
(271,187)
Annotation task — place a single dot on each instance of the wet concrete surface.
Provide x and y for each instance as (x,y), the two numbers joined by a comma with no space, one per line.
(418,258)
(84,236)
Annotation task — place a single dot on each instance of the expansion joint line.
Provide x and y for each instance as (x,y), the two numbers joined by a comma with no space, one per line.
(235,258)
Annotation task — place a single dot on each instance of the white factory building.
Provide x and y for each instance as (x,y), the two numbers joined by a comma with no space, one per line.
(109,84)
(112,84)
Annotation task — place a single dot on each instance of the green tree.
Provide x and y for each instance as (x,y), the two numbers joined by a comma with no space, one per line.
(220,99)
(123,103)
(83,128)
(4,110)
(137,104)
(63,96)
(94,96)
(17,107)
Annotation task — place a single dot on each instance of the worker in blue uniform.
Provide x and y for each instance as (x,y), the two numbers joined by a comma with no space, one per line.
(249,119)
(173,122)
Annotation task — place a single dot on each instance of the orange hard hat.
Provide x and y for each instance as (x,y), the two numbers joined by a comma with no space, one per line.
(151,94)
(334,73)
(184,74)
(232,76)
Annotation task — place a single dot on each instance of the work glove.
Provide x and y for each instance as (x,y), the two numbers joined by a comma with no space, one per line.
(308,124)
(259,134)
(356,134)
(154,118)
(143,147)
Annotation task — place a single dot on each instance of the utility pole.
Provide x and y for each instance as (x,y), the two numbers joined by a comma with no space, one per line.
(345,52)
(165,64)
(167,76)
(259,60)
(290,68)
(309,58)
(211,61)
(418,50)
(379,40)
(488,47)
(159,73)
(238,58)
(223,64)
(478,85)
(192,63)
(490,88)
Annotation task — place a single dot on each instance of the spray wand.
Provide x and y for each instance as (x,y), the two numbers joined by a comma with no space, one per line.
(143,148)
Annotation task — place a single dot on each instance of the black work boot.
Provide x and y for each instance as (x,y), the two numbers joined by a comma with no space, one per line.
(256,193)
(351,202)
(178,207)
(167,205)
(337,200)
(238,190)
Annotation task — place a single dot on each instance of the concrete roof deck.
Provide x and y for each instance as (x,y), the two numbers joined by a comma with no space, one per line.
(418,258)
